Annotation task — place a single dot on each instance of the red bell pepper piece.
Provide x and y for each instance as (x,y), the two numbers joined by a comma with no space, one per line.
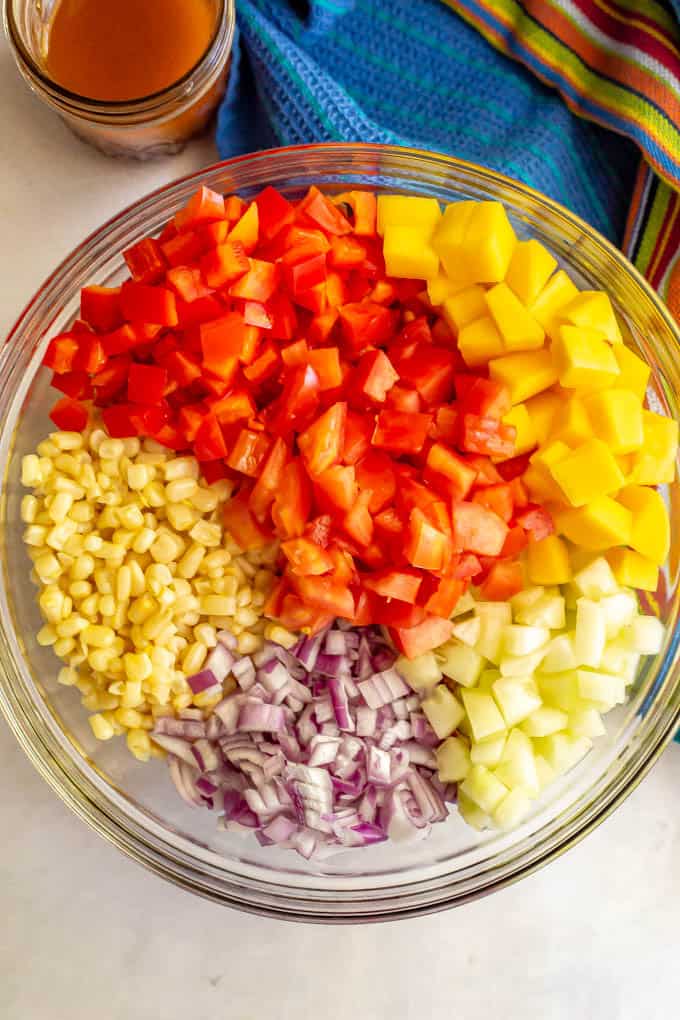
(194,313)
(363,206)
(145,261)
(209,443)
(282,315)
(183,249)
(295,354)
(60,353)
(224,264)
(110,379)
(259,283)
(444,598)
(425,636)
(401,399)
(325,594)
(426,546)
(203,206)
(142,303)
(187,283)
(223,342)
(322,442)
(269,480)
(249,451)
(298,401)
(430,370)
(318,208)
(241,524)
(146,384)
(265,366)
(326,363)
(274,212)
(118,421)
(395,584)
(306,557)
(68,415)
(477,529)
(321,326)
(100,307)
(346,253)
(246,230)
(504,580)
(358,522)
(73,384)
(293,501)
(375,472)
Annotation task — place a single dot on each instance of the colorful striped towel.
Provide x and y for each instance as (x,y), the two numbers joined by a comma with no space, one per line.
(413,72)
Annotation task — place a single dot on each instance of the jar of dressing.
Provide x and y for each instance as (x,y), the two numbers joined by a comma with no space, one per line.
(133,79)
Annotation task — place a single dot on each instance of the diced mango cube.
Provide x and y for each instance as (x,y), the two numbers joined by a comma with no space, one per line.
(546,308)
(408,210)
(488,243)
(587,472)
(552,453)
(448,238)
(464,307)
(548,561)
(571,423)
(541,485)
(593,309)
(440,287)
(531,266)
(633,372)
(525,435)
(633,570)
(651,532)
(654,463)
(479,341)
(525,374)
(616,417)
(583,360)
(542,410)
(519,329)
(407,253)
(597,526)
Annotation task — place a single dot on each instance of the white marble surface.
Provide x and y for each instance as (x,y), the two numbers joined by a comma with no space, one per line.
(86,934)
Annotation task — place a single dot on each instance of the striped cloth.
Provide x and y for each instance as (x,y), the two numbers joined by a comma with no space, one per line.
(616,62)
(410,72)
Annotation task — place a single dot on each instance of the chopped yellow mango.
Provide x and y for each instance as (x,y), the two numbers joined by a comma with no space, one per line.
(654,463)
(464,307)
(571,423)
(542,410)
(587,472)
(598,525)
(531,266)
(548,561)
(448,238)
(525,374)
(583,360)
(593,309)
(633,570)
(633,372)
(541,485)
(616,418)
(525,438)
(407,253)
(546,308)
(479,341)
(488,243)
(651,532)
(519,330)
(440,287)
(423,214)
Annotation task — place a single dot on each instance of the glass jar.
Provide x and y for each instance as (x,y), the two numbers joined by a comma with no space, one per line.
(134,805)
(156,125)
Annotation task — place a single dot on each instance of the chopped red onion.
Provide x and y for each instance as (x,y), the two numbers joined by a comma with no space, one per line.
(219,662)
(244,672)
(187,729)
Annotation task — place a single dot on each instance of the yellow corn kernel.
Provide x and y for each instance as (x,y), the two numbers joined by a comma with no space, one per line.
(180,467)
(131,695)
(166,548)
(82,512)
(246,617)
(180,489)
(47,567)
(46,636)
(525,374)
(137,581)
(218,558)
(650,532)
(520,331)
(479,341)
(587,472)
(100,659)
(531,266)
(633,570)
(139,744)
(88,606)
(83,567)
(207,534)
(138,476)
(154,494)
(104,580)
(51,602)
(194,657)
(59,507)
(181,517)
(58,536)
(558,292)
(101,727)
(71,627)
(35,535)
(249,643)
(191,561)
(29,509)
(130,718)
(275,632)
(206,500)
(98,636)
(593,309)
(31,474)
(218,605)
(206,634)
(463,307)
(107,605)
(111,449)
(68,676)
(616,418)
(123,583)
(93,544)
(63,647)
(132,446)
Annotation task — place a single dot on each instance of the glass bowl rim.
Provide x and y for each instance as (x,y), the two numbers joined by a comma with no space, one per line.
(267,898)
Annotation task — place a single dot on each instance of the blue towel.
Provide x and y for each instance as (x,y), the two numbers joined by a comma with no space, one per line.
(411,72)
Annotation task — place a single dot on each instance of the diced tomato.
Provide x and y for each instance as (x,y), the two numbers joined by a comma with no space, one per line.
(467,565)
(358,522)
(283,316)
(145,261)
(394,612)
(292,503)
(321,444)
(375,473)
(324,593)
(537,521)
(402,399)
(265,366)
(269,480)
(241,524)
(358,432)
(515,542)
(446,424)
(444,463)
(389,521)
(477,529)
(431,372)
(203,206)
(255,314)
(326,363)
(372,378)
(297,616)
(483,397)
(319,532)
(487,473)
(306,557)
(209,443)
(274,212)
(400,432)
(444,598)
(486,435)
(395,584)
(69,415)
(504,580)
(415,641)
(426,547)
(224,264)
(337,487)
(298,401)
(295,354)
(143,303)
(223,342)
(303,271)
(100,307)
(513,468)
(321,326)
(318,208)
(249,452)
(497,498)
(366,324)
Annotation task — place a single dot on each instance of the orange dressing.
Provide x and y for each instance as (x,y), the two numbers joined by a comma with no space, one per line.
(127,49)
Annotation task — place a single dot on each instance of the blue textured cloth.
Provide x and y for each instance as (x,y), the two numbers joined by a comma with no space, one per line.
(411,72)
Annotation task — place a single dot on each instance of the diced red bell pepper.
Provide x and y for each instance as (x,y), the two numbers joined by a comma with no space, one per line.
(259,283)
(320,210)
(194,313)
(111,379)
(321,444)
(298,401)
(60,353)
(477,529)
(171,437)
(249,452)
(326,363)
(212,470)
(91,356)
(101,308)
(358,522)
(372,378)
(146,384)
(269,480)
(209,443)
(402,399)
(187,283)
(444,463)
(295,354)
(203,206)
(274,212)
(145,261)
(444,598)
(255,314)
(190,419)
(358,432)
(142,303)
(504,580)
(265,366)
(148,419)
(394,612)
(415,641)
(73,384)
(118,421)
(182,368)
(337,487)
(302,271)
(401,432)
(241,524)
(183,249)
(364,208)
(336,292)
(515,543)
(246,230)
(306,557)
(375,472)
(537,521)
(389,521)
(293,501)
(486,435)
(346,253)
(321,326)
(223,342)
(69,415)
(395,584)
(234,208)
(324,593)
(426,546)
(225,264)
(234,407)
(283,316)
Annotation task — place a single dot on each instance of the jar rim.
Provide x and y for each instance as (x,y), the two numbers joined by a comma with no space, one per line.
(103,109)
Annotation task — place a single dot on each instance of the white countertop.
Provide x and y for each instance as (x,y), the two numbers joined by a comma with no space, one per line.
(85,933)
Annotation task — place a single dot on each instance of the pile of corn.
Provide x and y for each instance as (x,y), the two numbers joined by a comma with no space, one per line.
(136,576)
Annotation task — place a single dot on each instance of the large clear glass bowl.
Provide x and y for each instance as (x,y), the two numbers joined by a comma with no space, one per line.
(134,805)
